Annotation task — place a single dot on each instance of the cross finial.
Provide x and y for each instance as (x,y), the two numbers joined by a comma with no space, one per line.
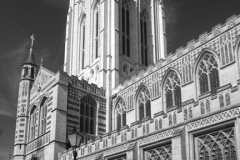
(32,39)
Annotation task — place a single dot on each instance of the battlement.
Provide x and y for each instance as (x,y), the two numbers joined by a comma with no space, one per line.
(84,85)
(192,45)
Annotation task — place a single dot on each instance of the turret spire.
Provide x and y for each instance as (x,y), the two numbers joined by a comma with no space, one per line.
(31,59)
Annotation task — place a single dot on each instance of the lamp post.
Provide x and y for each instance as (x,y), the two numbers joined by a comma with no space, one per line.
(75,139)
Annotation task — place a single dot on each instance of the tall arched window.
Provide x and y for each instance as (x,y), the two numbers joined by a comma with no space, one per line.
(144,43)
(172,91)
(33,124)
(208,74)
(87,115)
(120,112)
(96,31)
(144,103)
(82,41)
(43,117)
(125,28)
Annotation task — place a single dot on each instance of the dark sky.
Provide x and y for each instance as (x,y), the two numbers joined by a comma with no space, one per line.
(186,20)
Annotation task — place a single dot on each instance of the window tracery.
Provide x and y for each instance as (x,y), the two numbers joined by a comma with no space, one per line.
(144,103)
(208,74)
(120,114)
(217,145)
(163,152)
(173,91)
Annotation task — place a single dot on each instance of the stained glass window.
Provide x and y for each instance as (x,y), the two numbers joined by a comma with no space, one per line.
(120,114)
(208,74)
(219,145)
(173,91)
(126,28)
(144,103)
(87,115)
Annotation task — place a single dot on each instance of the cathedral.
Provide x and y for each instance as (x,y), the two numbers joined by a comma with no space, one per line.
(127,98)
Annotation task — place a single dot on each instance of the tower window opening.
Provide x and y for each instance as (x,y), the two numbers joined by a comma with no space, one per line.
(126,28)
(144,43)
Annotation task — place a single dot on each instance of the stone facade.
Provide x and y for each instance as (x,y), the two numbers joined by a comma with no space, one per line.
(125,97)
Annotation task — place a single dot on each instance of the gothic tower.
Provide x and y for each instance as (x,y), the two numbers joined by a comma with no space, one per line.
(28,75)
(109,41)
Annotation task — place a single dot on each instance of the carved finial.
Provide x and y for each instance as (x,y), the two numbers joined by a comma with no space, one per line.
(42,61)
(32,39)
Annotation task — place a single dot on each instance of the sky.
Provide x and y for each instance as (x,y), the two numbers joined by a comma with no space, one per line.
(46,19)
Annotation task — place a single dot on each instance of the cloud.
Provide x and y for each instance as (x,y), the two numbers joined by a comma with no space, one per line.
(173,14)
(10,63)
(61,4)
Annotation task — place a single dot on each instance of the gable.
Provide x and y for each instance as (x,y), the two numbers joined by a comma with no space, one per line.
(42,77)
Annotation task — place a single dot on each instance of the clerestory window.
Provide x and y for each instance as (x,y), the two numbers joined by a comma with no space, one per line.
(172,91)
(144,103)
(208,75)
(120,114)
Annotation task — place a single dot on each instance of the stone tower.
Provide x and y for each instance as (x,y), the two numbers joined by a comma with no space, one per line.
(28,75)
(109,41)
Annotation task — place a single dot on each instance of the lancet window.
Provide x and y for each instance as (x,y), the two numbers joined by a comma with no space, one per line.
(33,124)
(43,117)
(144,42)
(96,31)
(82,41)
(208,74)
(120,114)
(219,145)
(173,91)
(144,103)
(163,152)
(125,28)
(87,115)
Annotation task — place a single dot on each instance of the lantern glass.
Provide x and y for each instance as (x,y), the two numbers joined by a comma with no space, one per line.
(74,139)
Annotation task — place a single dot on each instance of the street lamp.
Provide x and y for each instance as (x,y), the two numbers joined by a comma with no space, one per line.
(75,139)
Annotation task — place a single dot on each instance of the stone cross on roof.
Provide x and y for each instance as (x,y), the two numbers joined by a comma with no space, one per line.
(32,39)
